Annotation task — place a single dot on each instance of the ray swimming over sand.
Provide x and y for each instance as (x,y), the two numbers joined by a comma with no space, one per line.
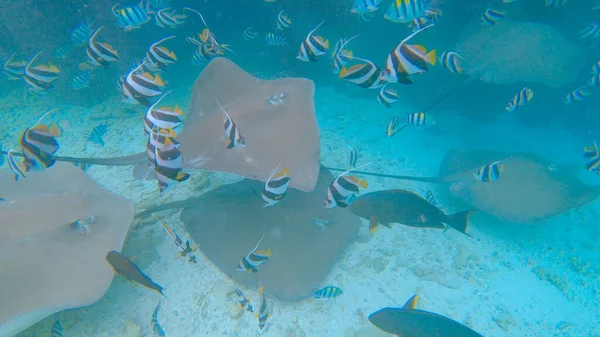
(50,265)
(226,221)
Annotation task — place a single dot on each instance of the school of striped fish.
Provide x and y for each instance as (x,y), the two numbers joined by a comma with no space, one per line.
(143,85)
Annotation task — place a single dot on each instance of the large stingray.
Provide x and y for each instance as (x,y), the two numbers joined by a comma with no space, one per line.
(513,51)
(528,190)
(278,130)
(228,222)
(47,265)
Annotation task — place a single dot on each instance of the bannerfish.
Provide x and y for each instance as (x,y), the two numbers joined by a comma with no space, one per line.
(99,53)
(387,97)
(577,95)
(490,171)
(233,137)
(283,21)
(407,208)
(159,57)
(168,18)
(254,259)
(122,265)
(492,16)
(276,187)
(352,158)
(405,60)
(343,189)
(591,153)
(263,312)
(392,128)
(409,321)
(452,61)
(521,98)
(312,46)
(156,328)
(139,88)
(14,69)
(328,292)
(40,77)
(244,302)
(250,34)
(38,144)
(366,75)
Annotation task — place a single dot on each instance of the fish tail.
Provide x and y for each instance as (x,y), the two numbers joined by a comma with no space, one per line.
(459,221)
(431,57)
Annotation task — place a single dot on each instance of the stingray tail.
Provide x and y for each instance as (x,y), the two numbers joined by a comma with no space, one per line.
(459,221)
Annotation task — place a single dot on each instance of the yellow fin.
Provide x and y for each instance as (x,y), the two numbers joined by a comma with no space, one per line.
(55,130)
(412,302)
(431,57)
(159,81)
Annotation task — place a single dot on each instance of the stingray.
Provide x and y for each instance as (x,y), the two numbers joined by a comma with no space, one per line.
(513,51)
(47,264)
(276,118)
(528,190)
(228,221)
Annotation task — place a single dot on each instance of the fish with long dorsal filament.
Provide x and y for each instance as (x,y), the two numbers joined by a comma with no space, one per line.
(409,321)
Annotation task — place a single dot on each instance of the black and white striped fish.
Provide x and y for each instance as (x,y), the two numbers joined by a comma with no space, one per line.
(14,69)
(492,16)
(352,158)
(156,139)
(158,57)
(490,171)
(140,88)
(38,145)
(156,328)
(328,292)
(387,97)
(452,61)
(163,118)
(233,137)
(100,53)
(283,21)
(406,60)
(243,301)
(341,57)
(275,40)
(40,77)
(521,98)
(254,259)
(577,95)
(343,189)
(169,18)
(250,34)
(97,133)
(366,75)
(312,46)
(168,163)
(276,187)
(131,17)
(263,312)
(16,167)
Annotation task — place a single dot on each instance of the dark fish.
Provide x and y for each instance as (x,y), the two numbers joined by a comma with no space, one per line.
(100,53)
(97,133)
(328,292)
(408,321)
(130,271)
(406,208)
(312,46)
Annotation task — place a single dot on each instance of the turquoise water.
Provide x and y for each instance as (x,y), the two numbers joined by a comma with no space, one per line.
(504,279)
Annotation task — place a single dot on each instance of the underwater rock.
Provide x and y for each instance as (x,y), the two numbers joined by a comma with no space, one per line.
(558,281)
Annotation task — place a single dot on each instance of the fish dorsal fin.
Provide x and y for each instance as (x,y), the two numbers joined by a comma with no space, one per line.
(420,48)
(353,169)
(273,173)
(413,34)
(258,244)
(317,27)
(412,302)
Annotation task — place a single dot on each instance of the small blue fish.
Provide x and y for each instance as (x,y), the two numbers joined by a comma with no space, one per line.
(97,133)
(81,34)
(555,3)
(275,40)
(328,292)
(591,31)
(80,81)
(431,198)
